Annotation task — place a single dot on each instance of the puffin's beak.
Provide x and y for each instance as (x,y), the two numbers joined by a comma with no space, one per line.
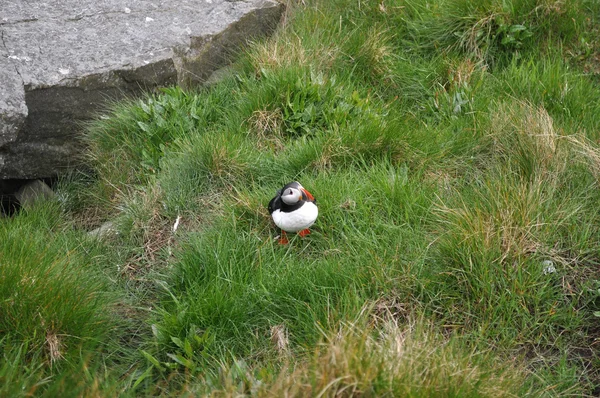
(308,194)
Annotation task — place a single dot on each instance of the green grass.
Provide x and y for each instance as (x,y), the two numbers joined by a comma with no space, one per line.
(55,302)
(452,146)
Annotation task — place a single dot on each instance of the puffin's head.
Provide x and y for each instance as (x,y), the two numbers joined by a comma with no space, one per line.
(294,192)
(291,195)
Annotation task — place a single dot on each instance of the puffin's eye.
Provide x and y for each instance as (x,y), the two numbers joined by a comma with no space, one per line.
(291,192)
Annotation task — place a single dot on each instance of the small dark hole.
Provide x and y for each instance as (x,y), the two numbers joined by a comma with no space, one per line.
(9,205)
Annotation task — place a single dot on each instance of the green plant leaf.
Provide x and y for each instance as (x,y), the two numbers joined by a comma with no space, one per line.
(182,361)
(152,360)
(177,341)
(147,373)
(143,126)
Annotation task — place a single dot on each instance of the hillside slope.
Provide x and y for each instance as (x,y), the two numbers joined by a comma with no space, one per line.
(453,148)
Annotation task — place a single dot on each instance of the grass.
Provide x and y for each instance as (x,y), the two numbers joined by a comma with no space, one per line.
(452,146)
(409,361)
(55,301)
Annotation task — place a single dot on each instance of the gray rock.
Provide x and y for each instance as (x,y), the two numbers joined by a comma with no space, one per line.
(12,103)
(32,192)
(104,231)
(549,267)
(219,75)
(61,61)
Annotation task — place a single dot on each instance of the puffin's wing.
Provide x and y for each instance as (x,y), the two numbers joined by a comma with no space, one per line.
(275,203)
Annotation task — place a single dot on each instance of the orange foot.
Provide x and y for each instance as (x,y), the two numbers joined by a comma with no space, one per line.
(304,232)
(283,240)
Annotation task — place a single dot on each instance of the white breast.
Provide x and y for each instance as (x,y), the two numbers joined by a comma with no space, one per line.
(296,220)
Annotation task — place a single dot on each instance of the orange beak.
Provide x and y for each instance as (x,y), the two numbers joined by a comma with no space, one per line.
(308,194)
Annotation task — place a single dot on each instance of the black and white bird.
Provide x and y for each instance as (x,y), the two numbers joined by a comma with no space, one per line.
(293,209)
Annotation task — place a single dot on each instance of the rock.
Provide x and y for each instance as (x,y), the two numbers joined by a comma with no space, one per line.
(12,103)
(32,192)
(104,231)
(549,267)
(61,61)
(219,75)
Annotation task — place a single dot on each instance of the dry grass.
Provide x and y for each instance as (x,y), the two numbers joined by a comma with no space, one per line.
(547,7)
(292,52)
(278,54)
(391,309)
(267,127)
(378,52)
(280,339)
(396,360)
(526,130)
(510,214)
(588,153)
(472,41)
(499,224)
(530,122)
(54,346)
(524,133)
(460,73)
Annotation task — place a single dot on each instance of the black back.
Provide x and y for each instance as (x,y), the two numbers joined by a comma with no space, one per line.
(275,203)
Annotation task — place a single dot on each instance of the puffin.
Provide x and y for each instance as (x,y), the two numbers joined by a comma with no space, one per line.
(293,209)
